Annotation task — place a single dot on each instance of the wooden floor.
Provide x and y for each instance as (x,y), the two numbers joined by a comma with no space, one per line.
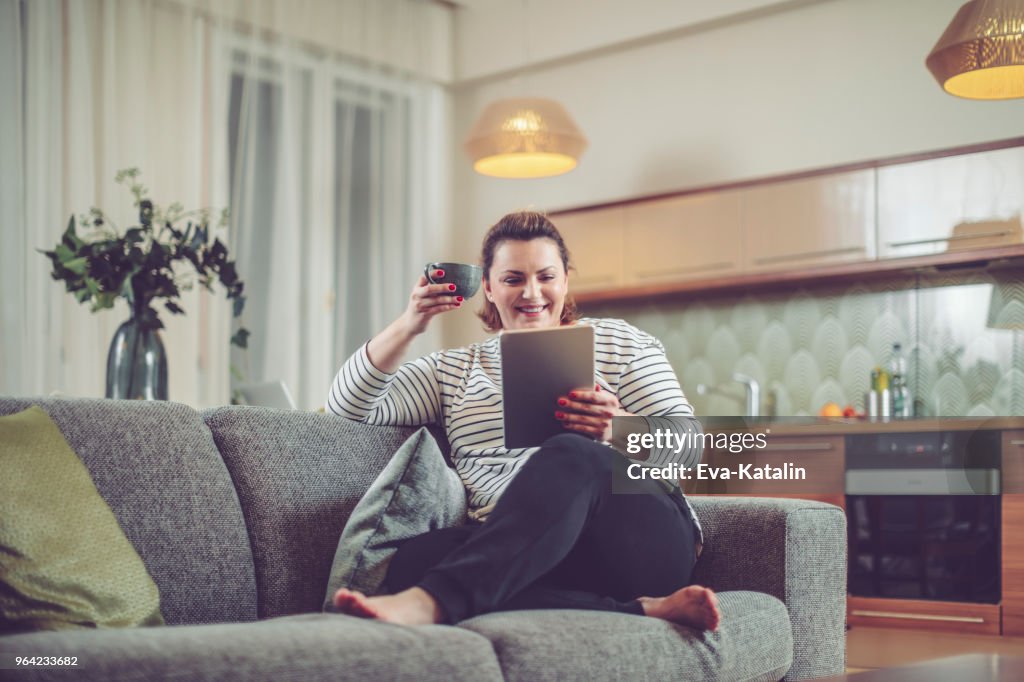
(868,648)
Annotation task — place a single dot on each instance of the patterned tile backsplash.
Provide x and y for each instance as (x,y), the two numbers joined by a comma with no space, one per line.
(819,344)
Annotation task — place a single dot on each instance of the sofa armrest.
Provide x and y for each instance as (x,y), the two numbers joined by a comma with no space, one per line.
(794,550)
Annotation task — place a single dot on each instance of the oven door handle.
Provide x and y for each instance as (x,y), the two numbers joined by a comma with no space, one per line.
(917,616)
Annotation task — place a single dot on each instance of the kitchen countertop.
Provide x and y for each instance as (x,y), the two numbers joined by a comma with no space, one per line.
(838,426)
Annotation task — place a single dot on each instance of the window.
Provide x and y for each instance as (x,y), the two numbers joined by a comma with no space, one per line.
(322,176)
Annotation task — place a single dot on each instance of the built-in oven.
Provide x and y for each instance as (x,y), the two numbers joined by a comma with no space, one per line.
(923,515)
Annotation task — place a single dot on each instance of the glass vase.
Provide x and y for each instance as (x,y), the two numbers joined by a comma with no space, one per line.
(136,364)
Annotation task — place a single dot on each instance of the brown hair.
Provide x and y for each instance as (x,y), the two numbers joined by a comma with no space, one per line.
(521,226)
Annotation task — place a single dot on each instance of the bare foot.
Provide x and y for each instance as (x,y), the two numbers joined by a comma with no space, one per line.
(414,606)
(693,606)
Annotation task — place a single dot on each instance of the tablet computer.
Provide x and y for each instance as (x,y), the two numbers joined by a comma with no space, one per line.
(538,366)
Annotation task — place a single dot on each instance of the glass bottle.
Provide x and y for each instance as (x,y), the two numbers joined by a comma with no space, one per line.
(878,401)
(902,404)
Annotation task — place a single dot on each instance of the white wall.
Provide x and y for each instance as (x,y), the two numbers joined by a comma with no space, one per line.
(806,86)
(500,36)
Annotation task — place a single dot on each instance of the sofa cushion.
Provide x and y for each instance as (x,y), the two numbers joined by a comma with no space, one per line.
(155,464)
(753,642)
(417,492)
(64,562)
(299,648)
(299,475)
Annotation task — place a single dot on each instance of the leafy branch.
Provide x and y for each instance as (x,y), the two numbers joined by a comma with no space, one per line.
(146,261)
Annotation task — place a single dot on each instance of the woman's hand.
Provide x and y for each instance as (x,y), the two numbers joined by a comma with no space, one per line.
(428,300)
(590,412)
(387,349)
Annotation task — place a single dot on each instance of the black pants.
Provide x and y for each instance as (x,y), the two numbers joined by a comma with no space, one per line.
(558,537)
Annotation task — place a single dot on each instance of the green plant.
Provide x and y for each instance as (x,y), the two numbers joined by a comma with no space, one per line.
(148,261)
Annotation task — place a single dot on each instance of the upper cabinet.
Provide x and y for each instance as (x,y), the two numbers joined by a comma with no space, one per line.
(812,221)
(841,222)
(595,241)
(968,201)
(690,237)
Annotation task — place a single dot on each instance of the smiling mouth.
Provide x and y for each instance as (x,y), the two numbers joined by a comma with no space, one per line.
(531,309)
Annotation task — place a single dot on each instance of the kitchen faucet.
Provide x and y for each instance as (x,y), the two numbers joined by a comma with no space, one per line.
(752,391)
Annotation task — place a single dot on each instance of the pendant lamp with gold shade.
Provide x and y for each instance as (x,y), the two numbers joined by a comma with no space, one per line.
(525,137)
(981,54)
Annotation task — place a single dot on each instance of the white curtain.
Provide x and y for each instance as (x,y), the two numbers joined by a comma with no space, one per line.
(90,88)
(334,171)
(334,168)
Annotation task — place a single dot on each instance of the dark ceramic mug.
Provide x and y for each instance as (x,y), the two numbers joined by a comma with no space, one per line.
(464,276)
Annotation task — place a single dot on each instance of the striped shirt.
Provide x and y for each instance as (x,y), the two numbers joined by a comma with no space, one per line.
(461,389)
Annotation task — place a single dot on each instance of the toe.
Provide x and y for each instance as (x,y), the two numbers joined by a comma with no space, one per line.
(708,604)
(341,597)
(353,603)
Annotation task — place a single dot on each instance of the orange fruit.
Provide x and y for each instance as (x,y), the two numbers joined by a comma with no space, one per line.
(831,410)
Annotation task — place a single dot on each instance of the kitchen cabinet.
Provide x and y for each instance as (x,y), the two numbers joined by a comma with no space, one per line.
(822,220)
(683,238)
(893,218)
(1012,537)
(595,240)
(822,458)
(951,203)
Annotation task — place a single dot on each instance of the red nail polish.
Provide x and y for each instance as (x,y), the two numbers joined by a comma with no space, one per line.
(572,395)
(451,287)
(563,402)
(559,415)
(459,299)
(597,387)
(458,304)
(439,273)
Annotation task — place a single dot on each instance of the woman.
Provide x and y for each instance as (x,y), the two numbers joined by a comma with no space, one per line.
(545,530)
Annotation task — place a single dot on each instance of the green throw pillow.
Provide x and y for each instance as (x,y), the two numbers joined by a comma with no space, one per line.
(64,562)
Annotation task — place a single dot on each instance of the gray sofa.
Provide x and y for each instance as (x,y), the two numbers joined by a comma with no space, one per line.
(236,512)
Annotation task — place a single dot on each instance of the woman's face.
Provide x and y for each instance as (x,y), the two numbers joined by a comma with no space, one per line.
(527,284)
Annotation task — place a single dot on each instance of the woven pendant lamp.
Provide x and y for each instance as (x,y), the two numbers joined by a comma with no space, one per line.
(981,54)
(525,137)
